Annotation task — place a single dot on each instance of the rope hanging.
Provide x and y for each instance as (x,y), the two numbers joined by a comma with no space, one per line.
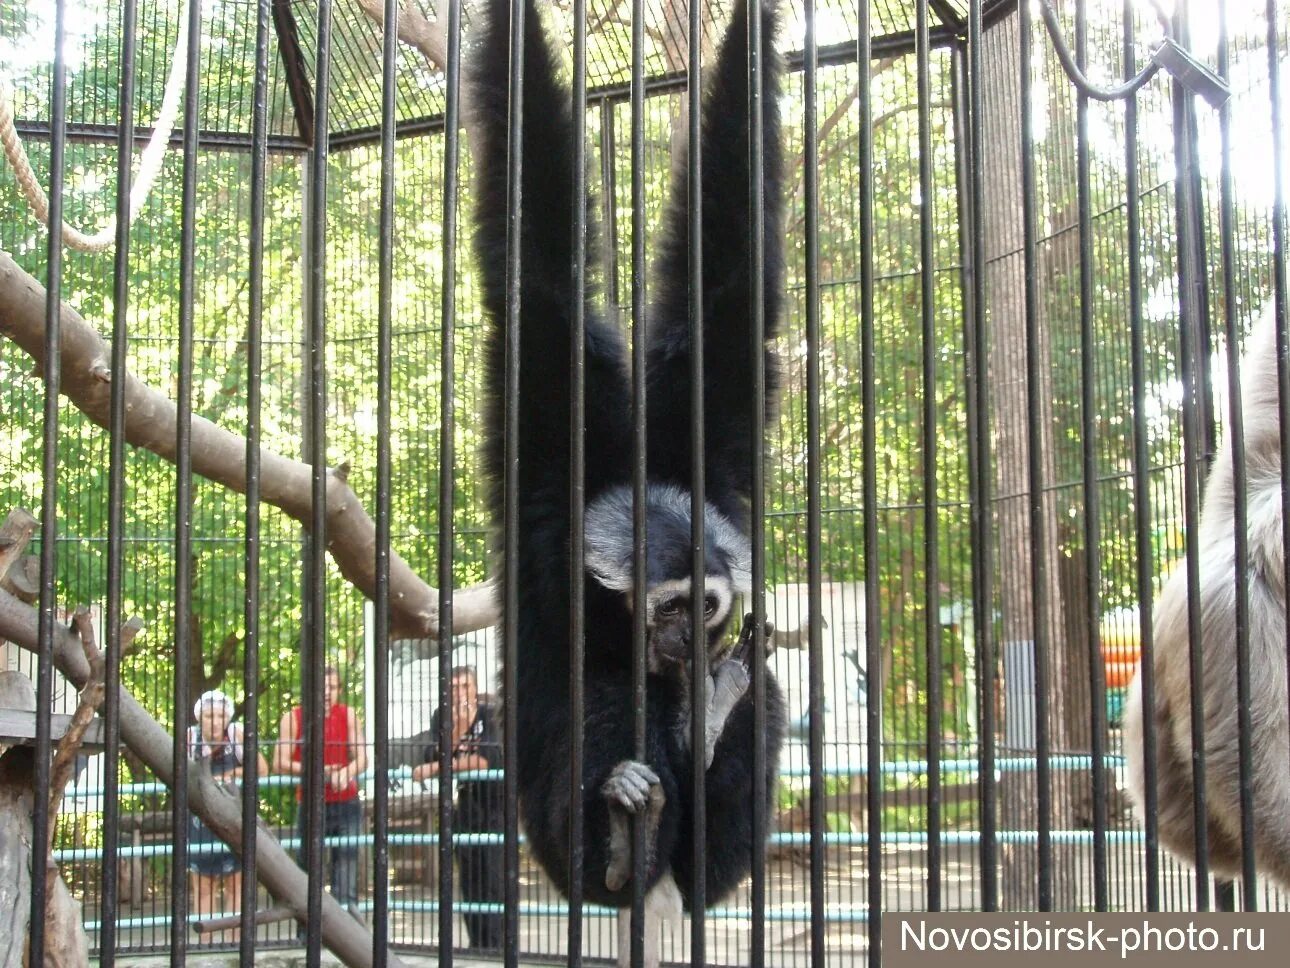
(150,161)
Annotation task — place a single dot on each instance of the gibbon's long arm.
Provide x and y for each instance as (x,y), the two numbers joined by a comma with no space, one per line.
(546,281)
(727,242)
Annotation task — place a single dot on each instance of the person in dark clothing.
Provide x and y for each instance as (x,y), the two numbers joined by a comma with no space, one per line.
(477,745)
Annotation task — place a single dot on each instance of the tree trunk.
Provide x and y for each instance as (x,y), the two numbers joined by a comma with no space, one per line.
(1011,422)
(65,942)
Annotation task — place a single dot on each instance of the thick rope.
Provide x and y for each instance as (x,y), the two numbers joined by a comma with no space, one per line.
(150,161)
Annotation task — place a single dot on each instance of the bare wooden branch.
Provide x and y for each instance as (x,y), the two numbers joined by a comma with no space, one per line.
(415,29)
(220,456)
(60,773)
(15,535)
(268,916)
(23,578)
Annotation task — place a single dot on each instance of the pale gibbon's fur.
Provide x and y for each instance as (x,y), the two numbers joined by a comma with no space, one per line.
(1267,601)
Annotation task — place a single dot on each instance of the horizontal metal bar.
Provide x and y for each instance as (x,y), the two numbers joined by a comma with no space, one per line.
(892,45)
(891,838)
(1010,764)
(106,134)
(834,913)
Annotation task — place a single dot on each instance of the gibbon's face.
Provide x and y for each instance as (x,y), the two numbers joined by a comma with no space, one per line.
(669,607)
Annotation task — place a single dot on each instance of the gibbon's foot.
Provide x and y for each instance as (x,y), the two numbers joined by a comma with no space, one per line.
(632,788)
(629,785)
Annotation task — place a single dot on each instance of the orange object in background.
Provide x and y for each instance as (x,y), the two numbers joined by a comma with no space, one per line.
(1120,646)
(1119,673)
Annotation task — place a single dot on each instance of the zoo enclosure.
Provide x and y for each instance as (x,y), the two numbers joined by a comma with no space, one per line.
(1067,305)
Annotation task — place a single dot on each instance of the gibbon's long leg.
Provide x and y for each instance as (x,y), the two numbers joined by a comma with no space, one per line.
(546,281)
(727,291)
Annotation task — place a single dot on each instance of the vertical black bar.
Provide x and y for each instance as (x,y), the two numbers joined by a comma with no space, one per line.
(116,488)
(1190,271)
(1280,286)
(1088,437)
(184,492)
(577,476)
(979,432)
(1235,436)
(869,432)
(698,567)
(814,565)
(510,612)
(41,821)
(254,366)
(931,530)
(636,941)
(384,392)
(609,198)
(447,459)
(1141,468)
(1035,470)
(757,508)
(316,589)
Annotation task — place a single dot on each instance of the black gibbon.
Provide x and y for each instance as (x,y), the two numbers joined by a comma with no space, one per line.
(1267,632)
(616,784)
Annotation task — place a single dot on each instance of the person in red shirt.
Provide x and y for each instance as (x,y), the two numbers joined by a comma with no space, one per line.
(344,760)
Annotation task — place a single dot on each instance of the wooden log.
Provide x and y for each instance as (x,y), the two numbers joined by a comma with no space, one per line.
(268,916)
(65,943)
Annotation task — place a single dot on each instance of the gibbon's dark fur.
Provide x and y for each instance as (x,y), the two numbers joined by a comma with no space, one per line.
(546,312)
(1269,739)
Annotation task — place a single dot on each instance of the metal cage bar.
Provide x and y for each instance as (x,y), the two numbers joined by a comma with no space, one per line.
(116,487)
(814,565)
(640,536)
(1088,433)
(41,821)
(447,460)
(384,380)
(577,478)
(1038,537)
(698,479)
(757,503)
(314,707)
(511,391)
(1191,295)
(252,548)
(184,492)
(869,430)
(1235,434)
(931,495)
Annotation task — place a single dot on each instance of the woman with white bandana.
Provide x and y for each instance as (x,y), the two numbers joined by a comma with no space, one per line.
(215,873)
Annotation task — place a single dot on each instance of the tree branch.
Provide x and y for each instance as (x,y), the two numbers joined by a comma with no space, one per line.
(220,456)
(415,30)
(60,773)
